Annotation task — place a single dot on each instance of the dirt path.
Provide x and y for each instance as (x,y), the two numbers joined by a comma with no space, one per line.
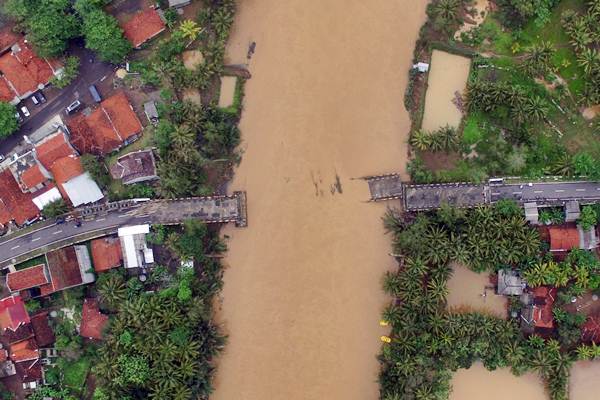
(302,297)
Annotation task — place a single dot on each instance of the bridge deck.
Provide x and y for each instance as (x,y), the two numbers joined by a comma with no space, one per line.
(106,219)
(428,197)
(385,187)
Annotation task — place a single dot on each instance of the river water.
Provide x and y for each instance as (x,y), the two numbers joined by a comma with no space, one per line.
(302,295)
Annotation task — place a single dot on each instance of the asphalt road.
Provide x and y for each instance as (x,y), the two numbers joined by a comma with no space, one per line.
(153,212)
(551,191)
(89,73)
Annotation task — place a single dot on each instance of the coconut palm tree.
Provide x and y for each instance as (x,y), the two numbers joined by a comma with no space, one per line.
(589,60)
(112,290)
(537,108)
(420,140)
(538,58)
(190,29)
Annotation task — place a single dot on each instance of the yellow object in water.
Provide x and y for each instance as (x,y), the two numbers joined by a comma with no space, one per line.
(386,339)
(383,323)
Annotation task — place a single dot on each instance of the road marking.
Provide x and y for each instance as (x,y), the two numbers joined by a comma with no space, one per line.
(580,190)
(517,192)
(35,239)
(56,233)
(16,247)
(559,190)
(538,191)
(101,219)
(498,193)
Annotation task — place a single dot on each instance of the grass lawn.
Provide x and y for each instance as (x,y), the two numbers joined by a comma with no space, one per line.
(564,59)
(31,263)
(76,372)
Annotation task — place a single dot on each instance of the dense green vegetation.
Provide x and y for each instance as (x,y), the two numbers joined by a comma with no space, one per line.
(8,121)
(160,344)
(55,208)
(429,342)
(535,66)
(50,24)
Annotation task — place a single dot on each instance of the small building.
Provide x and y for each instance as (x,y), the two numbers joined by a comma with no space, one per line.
(13,313)
(572,211)
(106,253)
(44,336)
(109,127)
(567,237)
(27,278)
(531,213)
(24,73)
(179,3)
(14,204)
(509,283)
(136,253)
(151,112)
(135,167)
(537,313)
(421,67)
(67,267)
(82,190)
(143,26)
(93,321)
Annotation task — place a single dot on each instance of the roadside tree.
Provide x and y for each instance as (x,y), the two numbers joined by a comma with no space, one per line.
(103,35)
(8,122)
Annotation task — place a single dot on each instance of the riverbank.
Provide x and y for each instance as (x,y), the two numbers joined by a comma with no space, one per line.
(302,296)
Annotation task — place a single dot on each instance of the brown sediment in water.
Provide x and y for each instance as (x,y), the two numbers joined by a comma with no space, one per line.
(302,295)
(447,77)
(584,383)
(472,291)
(479,383)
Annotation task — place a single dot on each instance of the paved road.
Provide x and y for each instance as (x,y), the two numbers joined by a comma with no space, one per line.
(215,209)
(547,192)
(89,73)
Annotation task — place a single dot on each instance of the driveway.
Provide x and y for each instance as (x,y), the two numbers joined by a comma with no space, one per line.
(89,73)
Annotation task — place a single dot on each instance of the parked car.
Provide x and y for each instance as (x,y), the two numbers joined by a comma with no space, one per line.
(40,96)
(35,100)
(95,94)
(73,106)
(1,158)
(25,111)
(18,117)
(59,220)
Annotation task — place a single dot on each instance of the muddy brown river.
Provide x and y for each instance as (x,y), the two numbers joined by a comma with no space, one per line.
(302,297)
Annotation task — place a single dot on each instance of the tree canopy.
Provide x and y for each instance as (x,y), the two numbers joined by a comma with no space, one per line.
(8,121)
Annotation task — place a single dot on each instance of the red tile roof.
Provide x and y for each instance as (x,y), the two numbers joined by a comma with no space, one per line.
(54,148)
(107,127)
(64,270)
(24,70)
(24,351)
(543,303)
(143,27)
(33,176)
(106,253)
(14,204)
(27,278)
(66,168)
(122,116)
(23,332)
(563,238)
(44,336)
(7,38)
(12,313)
(29,370)
(92,320)
(6,93)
